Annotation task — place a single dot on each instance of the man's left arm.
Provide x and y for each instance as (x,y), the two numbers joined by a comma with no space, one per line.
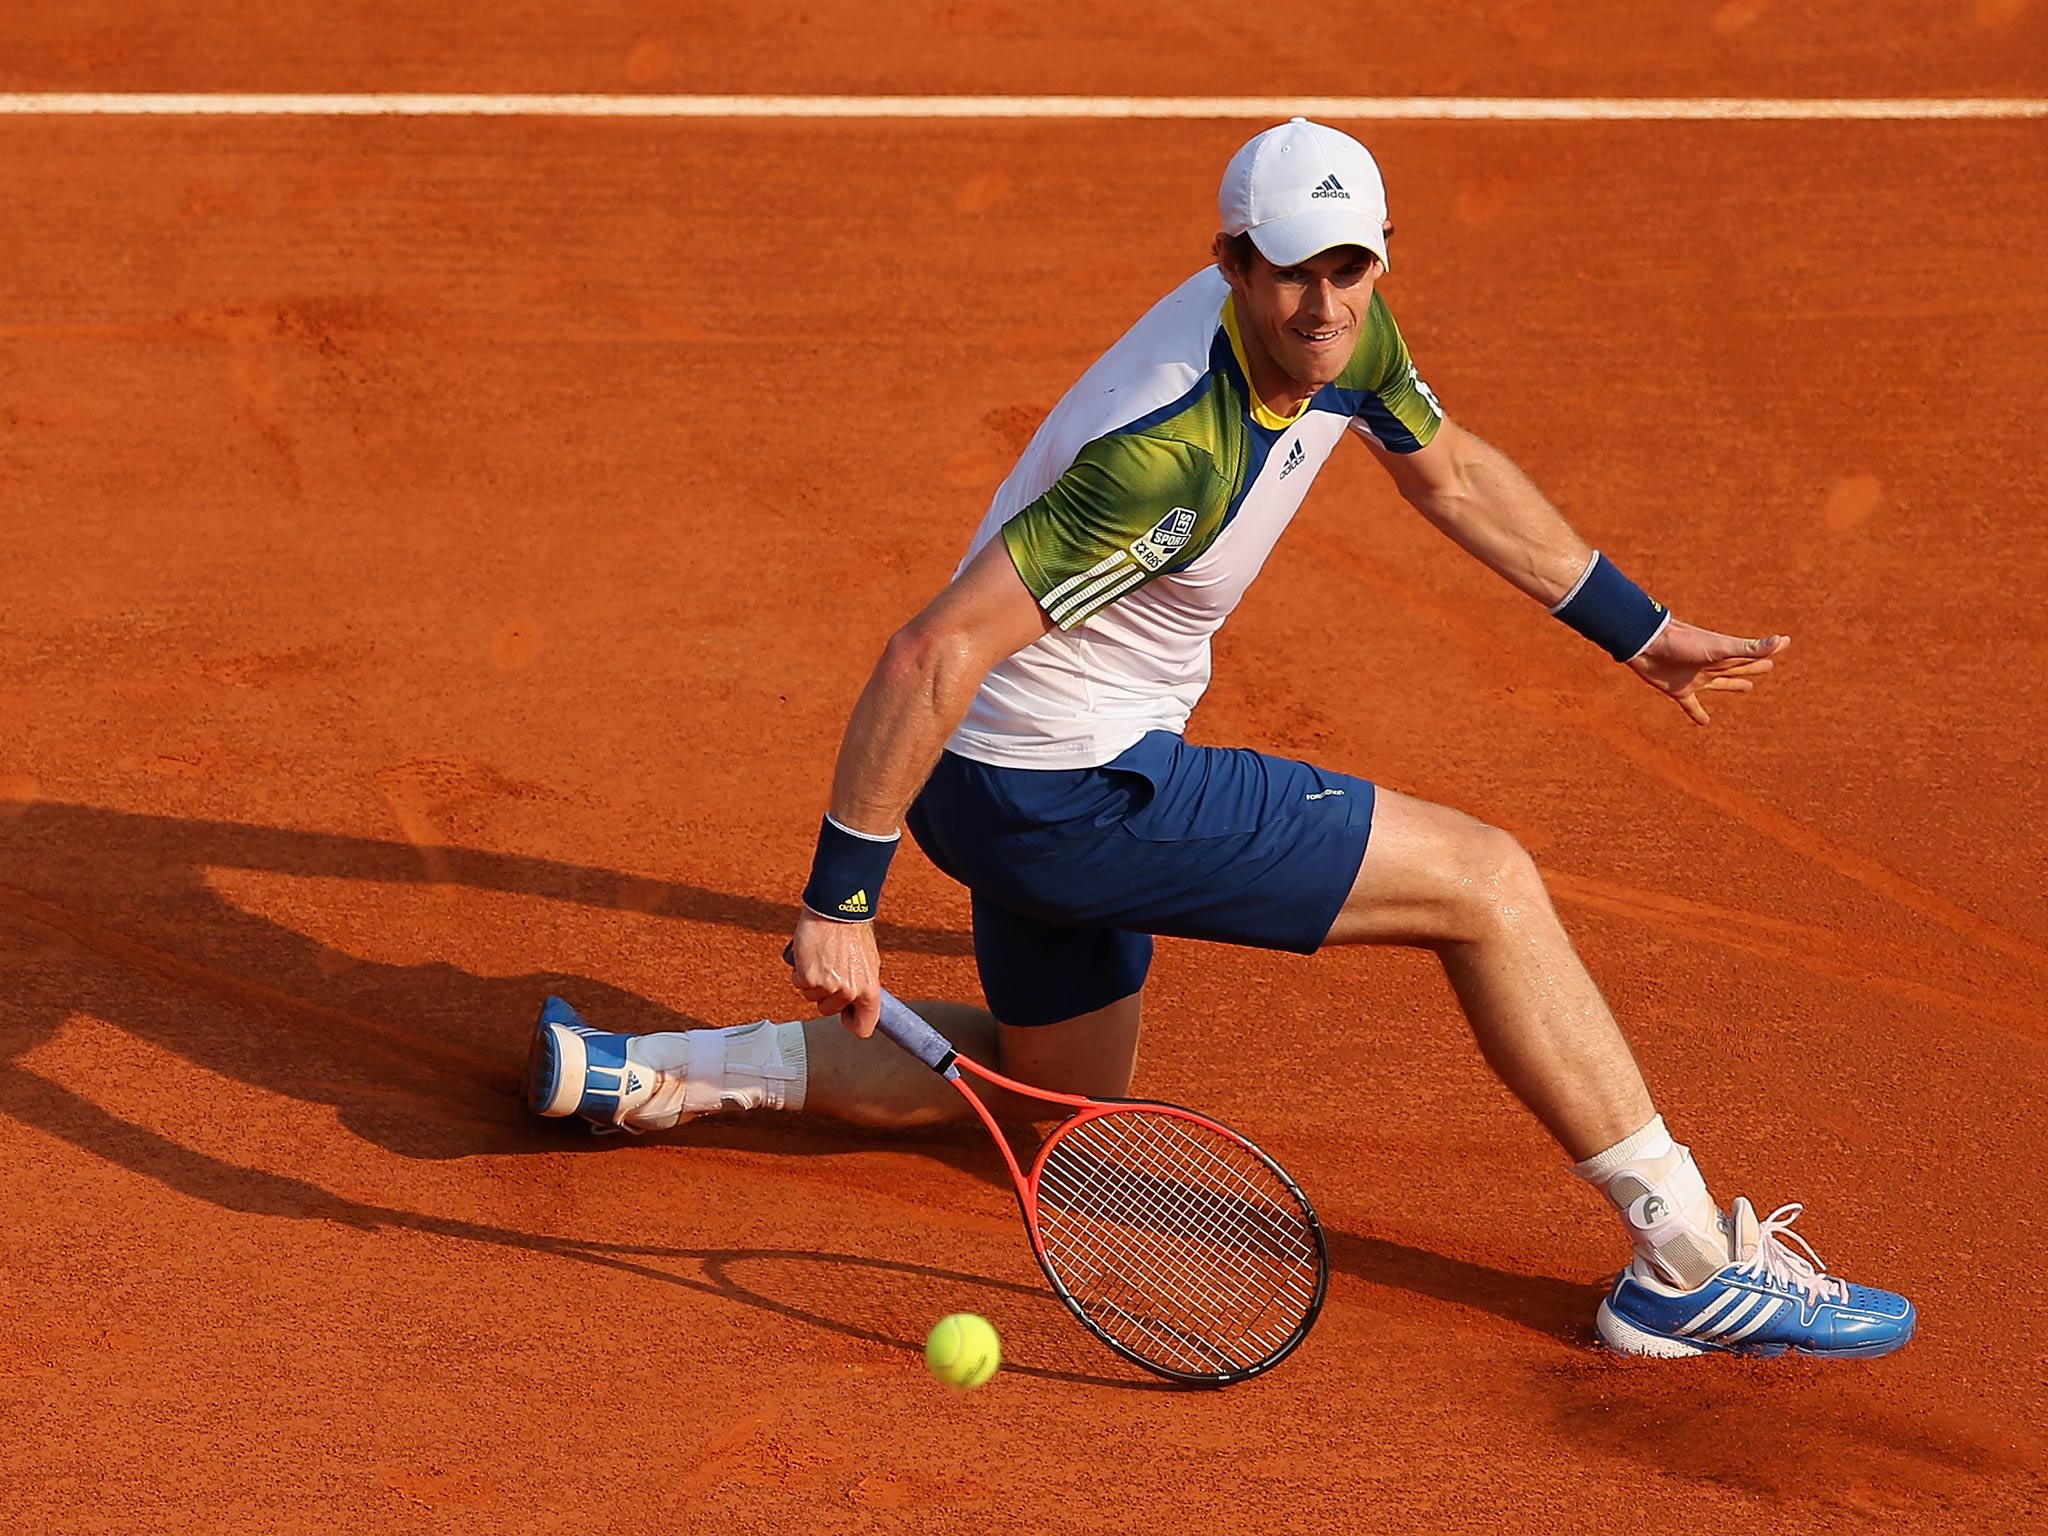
(1494,512)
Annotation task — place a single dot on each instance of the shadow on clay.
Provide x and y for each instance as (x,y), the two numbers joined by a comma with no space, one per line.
(1818,1434)
(378,1042)
(424,1060)
(883,1302)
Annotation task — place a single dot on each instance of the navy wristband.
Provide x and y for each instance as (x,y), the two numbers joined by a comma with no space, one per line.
(1612,611)
(847,872)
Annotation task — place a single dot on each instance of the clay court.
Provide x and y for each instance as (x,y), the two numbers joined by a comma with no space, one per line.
(438,556)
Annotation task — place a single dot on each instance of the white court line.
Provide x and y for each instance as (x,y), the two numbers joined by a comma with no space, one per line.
(1527,109)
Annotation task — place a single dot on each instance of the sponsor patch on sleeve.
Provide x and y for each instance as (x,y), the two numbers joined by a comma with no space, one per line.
(1166,539)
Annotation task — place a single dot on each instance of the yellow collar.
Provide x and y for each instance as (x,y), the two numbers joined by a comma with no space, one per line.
(1266,417)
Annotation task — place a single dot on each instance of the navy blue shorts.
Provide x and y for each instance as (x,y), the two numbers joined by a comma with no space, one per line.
(1072,870)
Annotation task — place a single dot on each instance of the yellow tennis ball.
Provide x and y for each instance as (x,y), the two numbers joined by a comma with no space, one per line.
(963,1350)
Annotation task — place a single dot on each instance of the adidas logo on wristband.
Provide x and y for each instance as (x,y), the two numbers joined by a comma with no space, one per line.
(848,860)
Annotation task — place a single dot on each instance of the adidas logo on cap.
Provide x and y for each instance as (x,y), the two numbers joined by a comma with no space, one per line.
(1330,186)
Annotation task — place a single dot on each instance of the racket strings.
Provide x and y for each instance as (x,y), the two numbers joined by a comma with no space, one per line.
(1225,1312)
(1203,1315)
(1149,1190)
(1223,1199)
(1196,1327)
(1236,1287)
(1177,1240)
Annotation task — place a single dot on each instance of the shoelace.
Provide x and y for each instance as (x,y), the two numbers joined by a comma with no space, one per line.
(1779,1264)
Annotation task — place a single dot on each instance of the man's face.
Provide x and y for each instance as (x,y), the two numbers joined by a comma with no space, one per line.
(1305,319)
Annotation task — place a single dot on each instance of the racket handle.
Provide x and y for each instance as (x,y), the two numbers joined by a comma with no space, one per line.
(908,1030)
(915,1036)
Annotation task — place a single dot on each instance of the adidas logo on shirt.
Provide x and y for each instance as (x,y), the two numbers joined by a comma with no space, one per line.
(1294,459)
(1331,187)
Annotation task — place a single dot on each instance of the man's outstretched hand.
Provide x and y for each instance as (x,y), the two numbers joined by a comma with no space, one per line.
(1687,661)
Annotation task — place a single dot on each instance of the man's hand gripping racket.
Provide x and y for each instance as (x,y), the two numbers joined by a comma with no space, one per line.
(1174,1240)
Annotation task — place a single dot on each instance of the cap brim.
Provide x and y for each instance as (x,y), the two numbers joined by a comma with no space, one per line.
(1291,240)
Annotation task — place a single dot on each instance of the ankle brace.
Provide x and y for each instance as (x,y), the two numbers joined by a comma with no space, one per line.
(703,1071)
(1657,1188)
(748,1066)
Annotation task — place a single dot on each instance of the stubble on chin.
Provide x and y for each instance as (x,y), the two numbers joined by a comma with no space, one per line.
(1319,372)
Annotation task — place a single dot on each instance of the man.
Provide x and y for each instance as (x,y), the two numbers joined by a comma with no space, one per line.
(1027,725)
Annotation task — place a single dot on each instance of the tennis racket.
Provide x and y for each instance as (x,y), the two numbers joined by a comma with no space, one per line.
(1173,1239)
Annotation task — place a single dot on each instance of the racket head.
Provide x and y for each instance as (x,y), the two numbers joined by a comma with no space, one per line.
(1176,1240)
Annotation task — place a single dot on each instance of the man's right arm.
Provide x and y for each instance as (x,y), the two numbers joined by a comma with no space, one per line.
(919,691)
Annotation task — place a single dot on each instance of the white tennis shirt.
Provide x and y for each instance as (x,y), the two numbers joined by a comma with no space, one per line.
(1142,509)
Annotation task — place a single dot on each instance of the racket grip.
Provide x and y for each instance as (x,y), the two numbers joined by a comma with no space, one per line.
(909,1031)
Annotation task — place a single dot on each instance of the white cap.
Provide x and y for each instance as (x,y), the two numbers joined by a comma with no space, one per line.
(1303,188)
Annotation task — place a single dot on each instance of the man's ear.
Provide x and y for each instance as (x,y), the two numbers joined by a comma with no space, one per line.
(1225,252)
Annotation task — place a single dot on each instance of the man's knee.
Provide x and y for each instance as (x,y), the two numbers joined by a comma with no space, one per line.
(1500,882)
(1434,876)
(1496,865)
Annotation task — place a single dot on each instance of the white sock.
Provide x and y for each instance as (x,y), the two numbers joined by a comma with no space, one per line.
(703,1071)
(1651,1180)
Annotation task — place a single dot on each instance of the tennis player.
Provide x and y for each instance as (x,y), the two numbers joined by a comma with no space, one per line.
(1027,728)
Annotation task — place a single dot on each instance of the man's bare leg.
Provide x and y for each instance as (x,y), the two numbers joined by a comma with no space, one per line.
(1437,879)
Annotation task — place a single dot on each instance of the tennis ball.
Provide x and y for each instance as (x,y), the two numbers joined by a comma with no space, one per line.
(963,1351)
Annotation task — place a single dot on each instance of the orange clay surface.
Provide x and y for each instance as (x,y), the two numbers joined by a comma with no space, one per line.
(437,558)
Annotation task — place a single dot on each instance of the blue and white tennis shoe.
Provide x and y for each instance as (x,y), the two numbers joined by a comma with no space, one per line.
(1770,1298)
(572,1069)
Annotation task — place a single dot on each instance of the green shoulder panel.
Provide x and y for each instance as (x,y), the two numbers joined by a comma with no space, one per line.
(1129,506)
(1400,410)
